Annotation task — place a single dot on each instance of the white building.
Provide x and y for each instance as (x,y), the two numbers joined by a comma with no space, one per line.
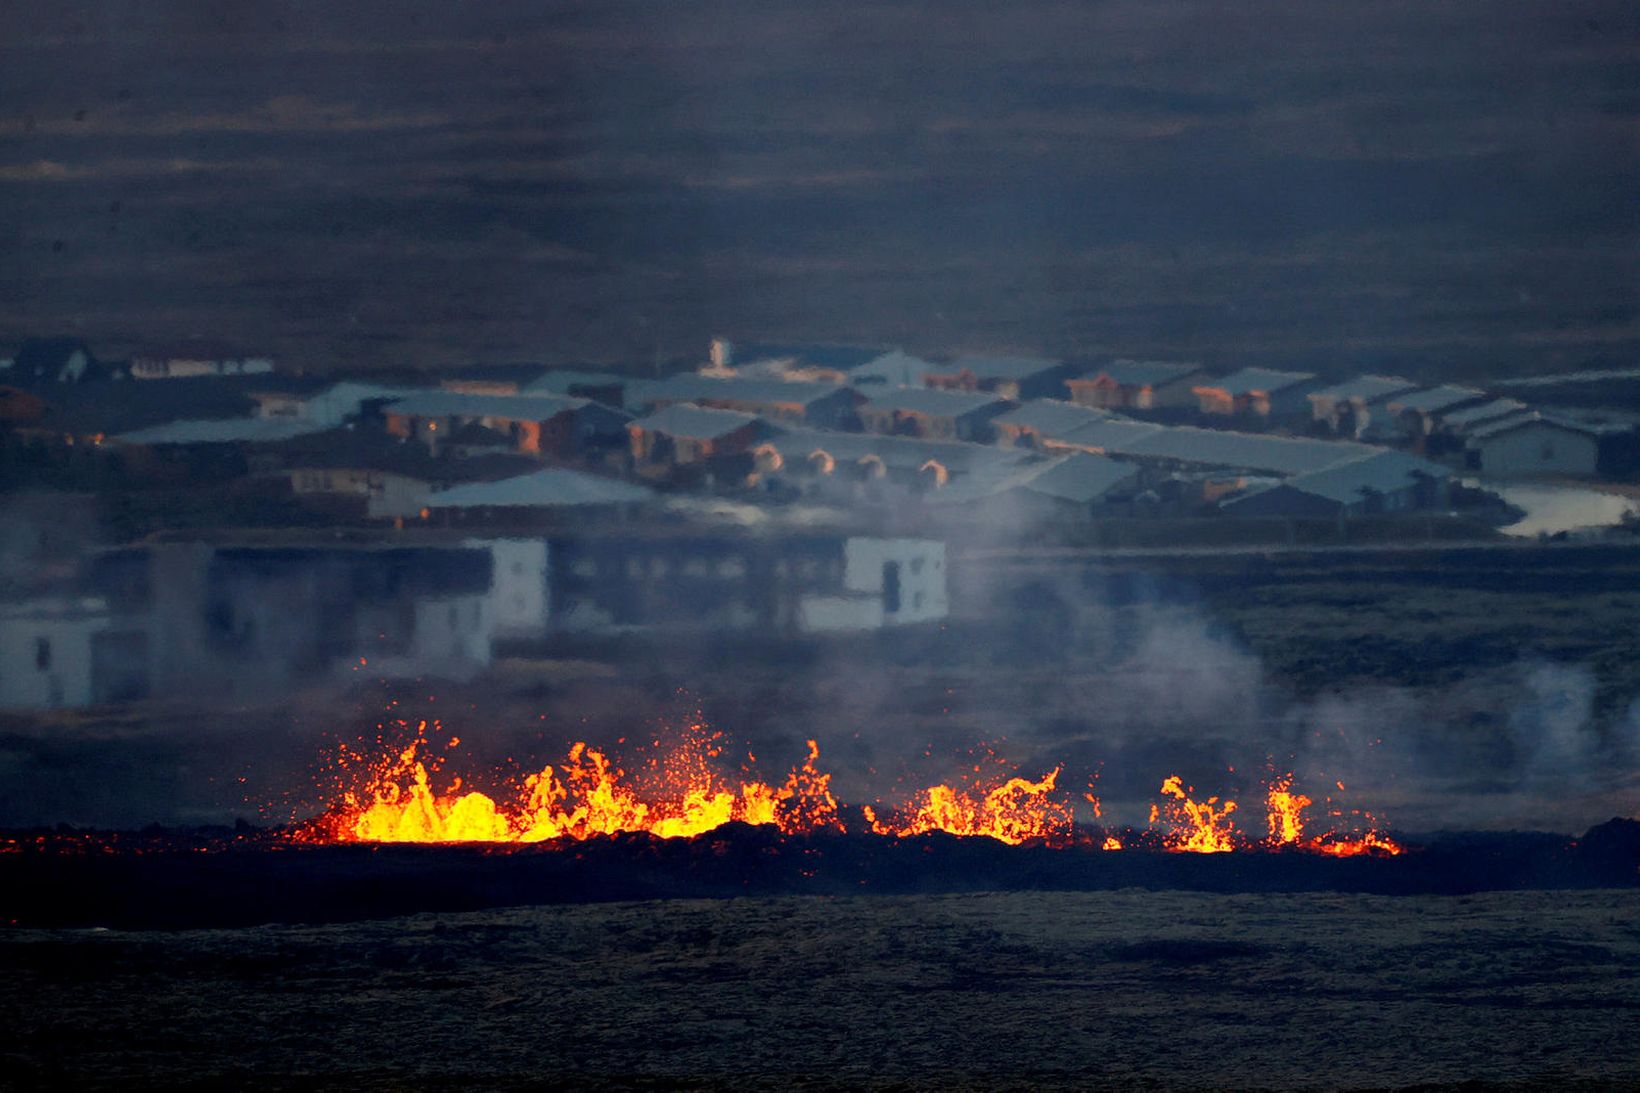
(1532,445)
(47,654)
(520,600)
(330,407)
(175,364)
(886,582)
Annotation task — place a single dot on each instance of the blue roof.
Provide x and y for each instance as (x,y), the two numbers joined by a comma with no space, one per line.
(550,488)
(932,401)
(695,422)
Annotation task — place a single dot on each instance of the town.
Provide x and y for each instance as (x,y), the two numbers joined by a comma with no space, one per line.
(199,507)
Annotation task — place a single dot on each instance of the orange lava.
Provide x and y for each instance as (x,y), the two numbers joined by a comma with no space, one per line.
(1016,811)
(1197,827)
(680,796)
(680,790)
(1286,821)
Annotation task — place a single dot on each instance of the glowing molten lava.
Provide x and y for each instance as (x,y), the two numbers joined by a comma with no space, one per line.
(679,790)
(1286,819)
(589,796)
(1286,812)
(1013,812)
(1199,827)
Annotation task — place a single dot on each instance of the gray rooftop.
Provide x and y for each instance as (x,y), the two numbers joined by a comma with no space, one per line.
(1518,421)
(1248,451)
(895,368)
(1486,411)
(1435,399)
(931,401)
(1134,373)
(999,368)
(223,431)
(1051,417)
(692,387)
(1078,477)
(1382,472)
(507,407)
(1365,388)
(1109,434)
(553,488)
(1258,381)
(695,422)
(898,451)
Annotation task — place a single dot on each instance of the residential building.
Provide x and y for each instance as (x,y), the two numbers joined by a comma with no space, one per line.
(1006,377)
(1525,446)
(932,414)
(1417,412)
(1257,392)
(1348,408)
(197,359)
(60,652)
(1033,424)
(1384,482)
(822,405)
(540,425)
(1068,488)
(684,434)
(1137,385)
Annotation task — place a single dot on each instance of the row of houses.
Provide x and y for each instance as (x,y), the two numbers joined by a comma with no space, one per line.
(480,443)
(253,619)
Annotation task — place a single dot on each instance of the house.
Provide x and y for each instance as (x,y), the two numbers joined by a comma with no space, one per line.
(892,369)
(1463,421)
(364,474)
(1191,449)
(1100,435)
(932,413)
(1006,377)
(1380,483)
(1520,446)
(1348,408)
(60,652)
(837,463)
(1067,488)
(196,451)
(1137,385)
(541,425)
(19,405)
(1032,424)
(329,405)
(683,434)
(544,494)
(1418,411)
(259,618)
(775,583)
(195,359)
(605,387)
(822,405)
(51,362)
(1257,392)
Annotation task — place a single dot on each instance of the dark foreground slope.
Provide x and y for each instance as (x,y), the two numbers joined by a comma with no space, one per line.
(169,881)
(1118,990)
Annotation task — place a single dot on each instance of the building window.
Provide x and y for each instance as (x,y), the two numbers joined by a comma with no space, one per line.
(42,653)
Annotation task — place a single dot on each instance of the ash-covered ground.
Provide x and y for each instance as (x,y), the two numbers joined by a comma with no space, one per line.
(1031,989)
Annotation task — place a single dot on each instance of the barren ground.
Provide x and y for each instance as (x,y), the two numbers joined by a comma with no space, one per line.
(1117,989)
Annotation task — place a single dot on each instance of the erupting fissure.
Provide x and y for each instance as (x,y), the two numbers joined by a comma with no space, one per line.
(680,792)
